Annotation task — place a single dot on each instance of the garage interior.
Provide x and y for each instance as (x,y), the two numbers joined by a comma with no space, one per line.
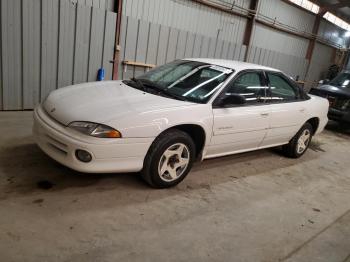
(255,206)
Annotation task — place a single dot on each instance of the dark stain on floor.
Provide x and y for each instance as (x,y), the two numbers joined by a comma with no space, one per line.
(45,184)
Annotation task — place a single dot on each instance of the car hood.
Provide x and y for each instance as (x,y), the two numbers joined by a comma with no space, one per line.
(335,90)
(102,102)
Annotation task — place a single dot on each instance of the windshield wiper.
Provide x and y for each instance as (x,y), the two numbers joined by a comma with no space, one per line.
(139,83)
(160,90)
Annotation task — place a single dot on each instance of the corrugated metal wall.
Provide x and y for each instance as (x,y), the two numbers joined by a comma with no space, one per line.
(159,31)
(151,43)
(332,33)
(320,62)
(268,38)
(102,4)
(286,14)
(47,44)
(189,16)
(290,64)
(187,29)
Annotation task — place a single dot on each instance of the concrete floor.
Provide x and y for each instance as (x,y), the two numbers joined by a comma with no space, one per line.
(257,206)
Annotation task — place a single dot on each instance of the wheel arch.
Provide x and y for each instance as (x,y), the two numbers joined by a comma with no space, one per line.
(195,131)
(314,122)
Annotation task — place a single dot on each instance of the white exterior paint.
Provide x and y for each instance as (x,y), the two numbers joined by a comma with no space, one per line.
(141,117)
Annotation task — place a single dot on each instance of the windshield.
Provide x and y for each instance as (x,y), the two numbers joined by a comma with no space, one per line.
(342,80)
(184,80)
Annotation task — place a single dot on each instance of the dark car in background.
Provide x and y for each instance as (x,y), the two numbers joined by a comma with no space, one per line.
(337,91)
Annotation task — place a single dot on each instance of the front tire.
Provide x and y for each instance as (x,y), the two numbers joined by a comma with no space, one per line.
(298,145)
(169,159)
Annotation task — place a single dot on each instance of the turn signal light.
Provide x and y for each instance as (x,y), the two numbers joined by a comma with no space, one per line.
(114,134)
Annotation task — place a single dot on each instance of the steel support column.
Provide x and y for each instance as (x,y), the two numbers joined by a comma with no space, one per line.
(247,38)
(312,42)
(117,40)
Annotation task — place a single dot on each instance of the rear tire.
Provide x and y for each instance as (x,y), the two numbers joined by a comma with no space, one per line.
(298,145)
(169,159)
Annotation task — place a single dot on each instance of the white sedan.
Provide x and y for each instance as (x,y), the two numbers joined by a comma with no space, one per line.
(187,110)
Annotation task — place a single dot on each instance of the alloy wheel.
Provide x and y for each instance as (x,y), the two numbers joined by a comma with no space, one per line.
(173,162)
(303,141)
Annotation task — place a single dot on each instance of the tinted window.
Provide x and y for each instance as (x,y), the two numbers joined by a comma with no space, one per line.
(250,86)
(188,80)
(280,88)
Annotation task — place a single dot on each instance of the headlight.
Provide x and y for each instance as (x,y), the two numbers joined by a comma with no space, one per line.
(96,130)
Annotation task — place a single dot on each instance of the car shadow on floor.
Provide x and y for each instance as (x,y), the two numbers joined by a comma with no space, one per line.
(25,170)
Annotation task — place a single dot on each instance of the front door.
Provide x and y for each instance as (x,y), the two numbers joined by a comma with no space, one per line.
(240,127)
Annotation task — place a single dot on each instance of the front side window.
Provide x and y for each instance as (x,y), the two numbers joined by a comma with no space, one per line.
(342,80)
(280,89)
(185,80)
(250,85)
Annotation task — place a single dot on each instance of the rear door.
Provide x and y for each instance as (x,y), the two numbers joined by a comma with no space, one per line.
(287,109)
(241,127)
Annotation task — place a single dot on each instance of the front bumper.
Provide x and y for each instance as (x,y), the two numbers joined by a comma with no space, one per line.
(339,115)
(108,155)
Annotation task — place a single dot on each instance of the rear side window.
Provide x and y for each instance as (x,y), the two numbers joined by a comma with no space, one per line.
(280,89)
(250,86)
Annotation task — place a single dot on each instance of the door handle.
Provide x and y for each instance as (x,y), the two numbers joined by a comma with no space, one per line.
(264,114)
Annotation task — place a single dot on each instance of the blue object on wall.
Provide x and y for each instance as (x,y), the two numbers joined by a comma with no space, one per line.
(101,74)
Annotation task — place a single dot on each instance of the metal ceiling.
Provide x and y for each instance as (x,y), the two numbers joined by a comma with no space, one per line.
(340,8)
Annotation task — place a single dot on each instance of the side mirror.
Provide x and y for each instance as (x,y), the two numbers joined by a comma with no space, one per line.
(232,99)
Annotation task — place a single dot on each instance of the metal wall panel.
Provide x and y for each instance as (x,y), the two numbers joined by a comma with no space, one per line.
(141,48)
(163,41)
(291,65)
(332,33)
(189,16)
(82,44)
(102,4)
(130,45)
(53,43)
(11,28)
(96,42)
(172,45)
(31,53)
(206,32)
(150,43)
(123,33)
(286,14)
(49,44)
(67,20)
(108,44)
(181,44)
(268,38)
(320,62)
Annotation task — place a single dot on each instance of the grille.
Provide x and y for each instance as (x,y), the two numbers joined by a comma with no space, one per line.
(341,103)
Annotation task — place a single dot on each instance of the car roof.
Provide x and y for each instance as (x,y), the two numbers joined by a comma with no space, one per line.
(236,65)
